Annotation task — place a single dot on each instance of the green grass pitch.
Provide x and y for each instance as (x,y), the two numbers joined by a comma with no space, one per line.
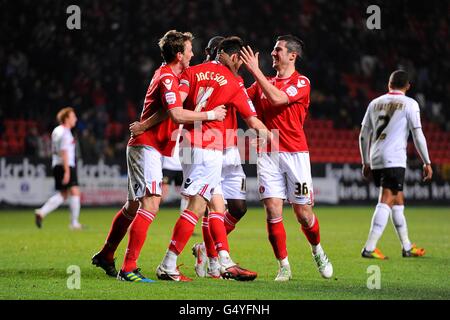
(33,262)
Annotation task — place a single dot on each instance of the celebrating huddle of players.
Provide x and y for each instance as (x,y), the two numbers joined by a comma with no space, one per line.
(195,107)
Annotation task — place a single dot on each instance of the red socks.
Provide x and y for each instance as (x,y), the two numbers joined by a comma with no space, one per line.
(312,233)
(277,237)
(138,233)
(118,230)
(218,231)
(209,242)
(182,231)
(230,222)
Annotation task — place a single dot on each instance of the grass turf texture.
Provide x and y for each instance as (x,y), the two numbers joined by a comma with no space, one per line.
(34,262)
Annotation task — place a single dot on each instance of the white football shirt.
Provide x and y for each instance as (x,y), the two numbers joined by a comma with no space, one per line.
(62,139)
(390,117)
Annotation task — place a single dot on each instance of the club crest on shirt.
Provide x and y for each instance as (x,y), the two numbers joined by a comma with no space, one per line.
(291,91)
(171,98)
(301,83)
(168,83)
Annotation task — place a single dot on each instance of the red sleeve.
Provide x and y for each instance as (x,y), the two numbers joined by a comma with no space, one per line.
(298,89)
(243,104)
(251,91)
(168,88)
(185,81)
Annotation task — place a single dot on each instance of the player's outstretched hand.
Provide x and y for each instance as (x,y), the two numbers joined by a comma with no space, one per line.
(427,172)
(250,59)
(366,172)
(136,129)
(221,112)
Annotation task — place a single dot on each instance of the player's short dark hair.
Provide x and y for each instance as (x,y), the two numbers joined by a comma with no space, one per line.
(63,114)
(231,45)
(398,79)
(213,43)
(172,43)
(293,44)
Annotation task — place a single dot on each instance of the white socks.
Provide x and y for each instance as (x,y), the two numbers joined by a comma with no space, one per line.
(170,261)
(51,204)
(399,221)
(225,259)
(316,249)
(379,221)
(213,263)
(283,262)
(74,207)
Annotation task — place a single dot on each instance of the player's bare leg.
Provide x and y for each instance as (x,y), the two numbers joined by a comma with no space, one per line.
(119,227)
(310,227)
(277,236)
(399,222)
(380,219)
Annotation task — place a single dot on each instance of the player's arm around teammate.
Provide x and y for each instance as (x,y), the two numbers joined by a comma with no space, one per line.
(179,116)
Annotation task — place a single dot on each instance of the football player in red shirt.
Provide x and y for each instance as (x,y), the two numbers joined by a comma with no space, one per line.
(284,171)
(233,182)
(204,86)
(144,154)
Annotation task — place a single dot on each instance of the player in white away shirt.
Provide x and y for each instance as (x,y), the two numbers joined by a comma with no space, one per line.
(64,170)
(383,142)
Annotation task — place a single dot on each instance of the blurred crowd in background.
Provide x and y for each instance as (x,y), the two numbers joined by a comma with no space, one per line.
(103,70)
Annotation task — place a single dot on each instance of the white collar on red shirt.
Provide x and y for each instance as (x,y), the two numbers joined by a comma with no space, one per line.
(285,78)
(396,92)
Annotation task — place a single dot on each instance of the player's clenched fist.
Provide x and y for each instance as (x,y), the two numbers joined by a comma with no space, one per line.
(136,128)
(220,112)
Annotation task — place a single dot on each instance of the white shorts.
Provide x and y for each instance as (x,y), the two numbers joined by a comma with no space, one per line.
(201,171)
(233,181)
(285,175)
(144,171)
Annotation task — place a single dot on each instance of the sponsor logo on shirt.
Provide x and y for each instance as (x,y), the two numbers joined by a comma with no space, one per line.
(171,98)
(250,103)
(291,91)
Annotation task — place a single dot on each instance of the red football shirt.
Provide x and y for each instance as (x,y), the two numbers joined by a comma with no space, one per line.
(230,122)
(162,93)
(288,119)
(209,85)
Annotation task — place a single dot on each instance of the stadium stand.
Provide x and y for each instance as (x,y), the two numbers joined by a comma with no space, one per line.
(104,68)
